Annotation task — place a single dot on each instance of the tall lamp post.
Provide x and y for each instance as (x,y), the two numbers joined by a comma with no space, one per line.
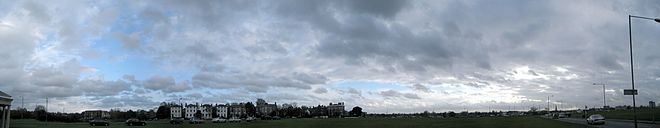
(604,101)
(632,72)
(548,108)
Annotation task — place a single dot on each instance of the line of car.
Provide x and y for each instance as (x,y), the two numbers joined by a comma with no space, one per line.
(591,120)
(129,122)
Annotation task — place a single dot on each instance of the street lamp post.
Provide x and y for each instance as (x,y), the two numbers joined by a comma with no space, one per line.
(632,73)
(604,101)
(548,108)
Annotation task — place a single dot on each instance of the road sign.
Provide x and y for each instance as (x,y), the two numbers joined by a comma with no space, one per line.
(629,92)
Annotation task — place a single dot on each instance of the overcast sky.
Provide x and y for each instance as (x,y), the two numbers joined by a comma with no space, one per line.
(381,55)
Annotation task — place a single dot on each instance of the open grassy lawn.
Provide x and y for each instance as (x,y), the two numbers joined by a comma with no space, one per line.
(486,122)
(642,114)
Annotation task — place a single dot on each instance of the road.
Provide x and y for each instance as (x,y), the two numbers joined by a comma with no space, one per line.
(610,123)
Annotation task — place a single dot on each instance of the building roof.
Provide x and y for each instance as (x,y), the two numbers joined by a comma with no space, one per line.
(4,94)
(5,99)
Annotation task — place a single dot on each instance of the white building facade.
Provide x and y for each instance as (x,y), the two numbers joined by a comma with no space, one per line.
(175,111)
(221,110)
(190,110)
(206,110)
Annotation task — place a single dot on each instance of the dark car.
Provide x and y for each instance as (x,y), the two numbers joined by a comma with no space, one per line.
(135,122)
(99,122)
(176,121)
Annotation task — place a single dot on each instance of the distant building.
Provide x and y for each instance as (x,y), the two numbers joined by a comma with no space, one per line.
(5,105)
(95,114)
(190,110)
(221,110)
(264,108)
(651,104)
(175,111)
(336,110)
(207,110)
(237,110)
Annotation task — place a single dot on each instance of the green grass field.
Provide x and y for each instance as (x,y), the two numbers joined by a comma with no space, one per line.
(486,122)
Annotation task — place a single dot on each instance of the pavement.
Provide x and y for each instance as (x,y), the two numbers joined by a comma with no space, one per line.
(611,123)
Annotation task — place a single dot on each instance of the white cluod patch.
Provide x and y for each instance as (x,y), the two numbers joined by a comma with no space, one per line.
(525,73)
(561,69)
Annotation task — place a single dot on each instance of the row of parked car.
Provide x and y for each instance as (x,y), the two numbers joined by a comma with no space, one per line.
(214,120)
(592,119)
(137,122)
(129,122)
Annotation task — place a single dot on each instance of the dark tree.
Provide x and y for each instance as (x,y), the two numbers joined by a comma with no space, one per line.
(117,115)
(198,114)
(426,114)
(183,113)
(163,112)
(451,114)
(214,112)
(40,113)
(142,115)
(357,111)
(273,113)
(20,113)
(130,114)
(250,109)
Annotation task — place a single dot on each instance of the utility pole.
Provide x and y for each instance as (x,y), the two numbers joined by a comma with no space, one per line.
(46,111)
(22,107)
(604,100)
(549,102)
(632,69)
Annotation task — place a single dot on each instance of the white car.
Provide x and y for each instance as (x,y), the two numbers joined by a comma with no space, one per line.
(250,119)
(219,120)
(234,120)
(596,119)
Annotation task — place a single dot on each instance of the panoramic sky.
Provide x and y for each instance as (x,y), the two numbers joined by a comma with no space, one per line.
(386,56)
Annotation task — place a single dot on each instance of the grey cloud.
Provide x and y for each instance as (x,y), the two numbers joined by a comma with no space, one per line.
(64,76)
(354,91)
(180,87)
(397,94)
(247,45)
(320,90)
(310,78)
(129,78)
(166,84)
(385,8)
(100,87)
(17,47)
(195,95)
(255,81)
(157,82)
(422,88)
(37,11)
(133,101)
(411,96)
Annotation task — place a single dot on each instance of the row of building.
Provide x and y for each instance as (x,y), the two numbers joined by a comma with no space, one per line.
(238,110)
(222,110)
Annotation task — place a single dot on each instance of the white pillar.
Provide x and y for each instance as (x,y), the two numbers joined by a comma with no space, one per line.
(3,117)
(8,116)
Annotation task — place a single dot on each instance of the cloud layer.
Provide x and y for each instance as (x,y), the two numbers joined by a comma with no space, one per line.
(385,56)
